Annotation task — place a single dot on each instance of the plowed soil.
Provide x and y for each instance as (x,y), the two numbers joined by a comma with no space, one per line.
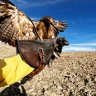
(74,74)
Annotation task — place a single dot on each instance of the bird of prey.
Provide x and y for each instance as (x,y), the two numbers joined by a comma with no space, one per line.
(15,25)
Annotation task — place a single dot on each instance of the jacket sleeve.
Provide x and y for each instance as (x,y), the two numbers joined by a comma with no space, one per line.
(13,69)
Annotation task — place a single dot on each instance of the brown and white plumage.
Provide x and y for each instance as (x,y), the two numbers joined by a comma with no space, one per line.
(49,28)
(14,25)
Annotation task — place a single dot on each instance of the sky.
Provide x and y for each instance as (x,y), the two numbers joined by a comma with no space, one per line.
(80,16)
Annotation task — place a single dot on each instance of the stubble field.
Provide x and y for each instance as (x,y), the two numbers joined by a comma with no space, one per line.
(74,74)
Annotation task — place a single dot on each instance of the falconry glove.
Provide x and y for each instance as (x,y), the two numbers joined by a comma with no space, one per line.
(38,53)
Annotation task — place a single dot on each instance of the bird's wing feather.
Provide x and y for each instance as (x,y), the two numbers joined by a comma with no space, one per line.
(14,24)
(60,26)
(56,27)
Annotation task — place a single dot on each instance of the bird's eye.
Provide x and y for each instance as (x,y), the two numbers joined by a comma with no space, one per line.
(48,21)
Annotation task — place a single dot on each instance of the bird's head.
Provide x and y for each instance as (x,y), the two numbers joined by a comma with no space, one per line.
(47,19)
(55,25)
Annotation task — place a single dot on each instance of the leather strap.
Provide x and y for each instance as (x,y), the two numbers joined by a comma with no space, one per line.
(40,68)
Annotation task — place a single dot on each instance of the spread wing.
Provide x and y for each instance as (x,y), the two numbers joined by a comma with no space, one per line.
(56,27)
(14,24)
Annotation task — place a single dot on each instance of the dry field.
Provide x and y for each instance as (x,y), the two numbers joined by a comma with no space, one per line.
(74,74)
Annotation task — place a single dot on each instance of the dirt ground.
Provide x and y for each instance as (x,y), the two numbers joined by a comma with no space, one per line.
(74,74)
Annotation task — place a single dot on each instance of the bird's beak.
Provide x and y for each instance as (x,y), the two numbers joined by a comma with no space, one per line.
(54,53)
(51,21)
(66,43)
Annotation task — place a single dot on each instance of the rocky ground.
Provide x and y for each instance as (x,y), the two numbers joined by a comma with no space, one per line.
(74,74)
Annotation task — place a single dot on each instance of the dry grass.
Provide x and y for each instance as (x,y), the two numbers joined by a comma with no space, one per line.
(74,74)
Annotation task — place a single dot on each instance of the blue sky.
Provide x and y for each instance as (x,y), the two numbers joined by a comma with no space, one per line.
(79,14)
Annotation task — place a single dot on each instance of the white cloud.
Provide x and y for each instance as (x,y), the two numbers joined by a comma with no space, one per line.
(38,3)
(22,1)
(75,34)
(34,18)
(84,44)
(2,42)
(72,22)
(70,48)
(57,1)
(80,47)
